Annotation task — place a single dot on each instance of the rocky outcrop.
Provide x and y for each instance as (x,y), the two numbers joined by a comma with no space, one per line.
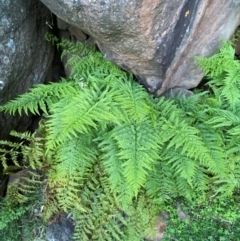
(155,40)
(25,56)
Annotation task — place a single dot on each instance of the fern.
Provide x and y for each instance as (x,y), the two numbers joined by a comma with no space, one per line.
(224,71)
(41,97)
(111,154)
(98,221)
(136,149)
(31,154)
(95,107)
(219,63)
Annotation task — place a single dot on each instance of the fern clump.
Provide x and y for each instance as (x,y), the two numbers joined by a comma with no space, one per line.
(112,155)
(223,70)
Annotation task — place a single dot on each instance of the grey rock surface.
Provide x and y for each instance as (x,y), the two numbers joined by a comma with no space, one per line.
(25,56)
(155,40)
(60,230)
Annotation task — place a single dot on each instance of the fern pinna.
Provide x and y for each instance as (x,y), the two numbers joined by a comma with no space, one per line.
(113,154)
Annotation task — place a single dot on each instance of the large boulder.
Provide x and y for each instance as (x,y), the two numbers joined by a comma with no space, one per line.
(25,55)
(155,40)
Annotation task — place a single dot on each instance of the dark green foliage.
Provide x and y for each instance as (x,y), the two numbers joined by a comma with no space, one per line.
(102,219)
(112,155)
(22,224)
(216,220)
(20,211)
(8,214)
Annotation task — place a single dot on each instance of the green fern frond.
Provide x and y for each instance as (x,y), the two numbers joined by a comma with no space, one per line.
(226,186)
(161,184)
(214,140)
(25,188)
(67,195)
(231,90)
(113,165)
(224,118)
(71,161)
(111,161)
(197,108)
(9,154)
(216,65)
(137,146)
(185,190)
(31,150)
(107,221)
(74,156)
(91,63)
(201,183)
(101,220)
(184,166)
(181,135)
(41,97)
(78,49)
(50,207)
(133,100)
(90,107)
(224,72)
(142,219)
(87,66)
(86,62)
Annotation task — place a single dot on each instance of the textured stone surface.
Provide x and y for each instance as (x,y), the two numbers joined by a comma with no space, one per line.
(25,56)
(77,33)
(62,25)
(156,40)
(61,230)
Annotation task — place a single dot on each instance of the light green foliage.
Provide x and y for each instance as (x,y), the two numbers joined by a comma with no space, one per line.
(112,155)
(223,71)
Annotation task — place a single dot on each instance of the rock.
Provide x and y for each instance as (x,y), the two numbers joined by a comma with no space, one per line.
(161,225)
(77,33)
(155,40)
(25,55)
(62,25)
(66,35)
(16,178)
(60,230)
(182,214)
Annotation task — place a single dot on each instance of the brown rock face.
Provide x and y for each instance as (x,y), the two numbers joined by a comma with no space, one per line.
(25,55)
(156,40)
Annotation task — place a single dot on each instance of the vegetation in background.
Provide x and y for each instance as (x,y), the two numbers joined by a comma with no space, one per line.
(114,156)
